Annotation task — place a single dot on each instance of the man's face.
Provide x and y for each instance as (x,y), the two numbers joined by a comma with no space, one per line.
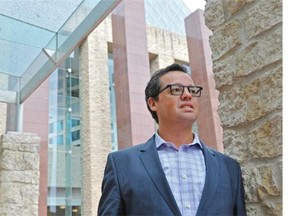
(173,109)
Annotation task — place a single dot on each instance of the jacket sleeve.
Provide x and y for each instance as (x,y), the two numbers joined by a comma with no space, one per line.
(110,202)
(239,208)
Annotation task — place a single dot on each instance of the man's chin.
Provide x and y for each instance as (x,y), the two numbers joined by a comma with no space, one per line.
(188,120)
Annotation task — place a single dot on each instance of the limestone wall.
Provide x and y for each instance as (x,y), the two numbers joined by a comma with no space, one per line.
(247,64)
(19,174)
(166,46)
(95,116)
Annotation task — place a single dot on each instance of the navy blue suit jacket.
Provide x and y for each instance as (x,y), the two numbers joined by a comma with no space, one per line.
(134,183)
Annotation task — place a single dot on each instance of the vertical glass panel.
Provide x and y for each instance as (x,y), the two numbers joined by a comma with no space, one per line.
(64,165)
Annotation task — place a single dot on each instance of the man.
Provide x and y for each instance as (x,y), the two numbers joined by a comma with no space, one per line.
(173,173)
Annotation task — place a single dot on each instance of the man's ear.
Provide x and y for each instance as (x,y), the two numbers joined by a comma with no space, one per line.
(152,104)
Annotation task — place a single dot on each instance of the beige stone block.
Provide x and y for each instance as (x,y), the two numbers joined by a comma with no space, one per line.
(225,39)
(214,14)
(267,88)
(248,101)
(29,147)
(31,161)
(224,71)
(273,208)
(29,193)
(175,49)
(12,160)
(259,54)
(12,139)
(234,6)
(265,140)
(26,176)
(262,17)
(233,107)
(236,144)
(262,182)
(254,209)
(11,194)
(19,161)
(19,210)
(31,210)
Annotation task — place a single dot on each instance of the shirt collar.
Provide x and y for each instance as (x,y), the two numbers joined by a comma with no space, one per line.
(159,141)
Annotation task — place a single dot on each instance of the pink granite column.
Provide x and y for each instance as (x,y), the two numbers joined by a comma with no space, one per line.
(131,65)
(209,126)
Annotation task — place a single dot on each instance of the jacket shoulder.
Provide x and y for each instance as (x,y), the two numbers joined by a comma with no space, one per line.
(226,158)
(137,147)
(131,149)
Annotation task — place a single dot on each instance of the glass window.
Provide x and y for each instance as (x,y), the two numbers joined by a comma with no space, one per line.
(64,163)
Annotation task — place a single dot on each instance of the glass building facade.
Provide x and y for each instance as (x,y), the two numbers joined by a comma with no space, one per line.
(168,15)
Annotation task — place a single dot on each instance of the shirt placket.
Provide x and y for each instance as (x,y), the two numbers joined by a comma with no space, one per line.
(184,182)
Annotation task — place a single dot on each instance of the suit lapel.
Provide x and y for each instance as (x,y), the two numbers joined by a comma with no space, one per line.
(212,177)
(152,164)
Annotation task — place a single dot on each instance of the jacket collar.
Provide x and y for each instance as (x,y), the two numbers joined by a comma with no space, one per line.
(150,159)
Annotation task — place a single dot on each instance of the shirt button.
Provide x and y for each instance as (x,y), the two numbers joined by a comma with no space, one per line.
(187,206)
(184,176)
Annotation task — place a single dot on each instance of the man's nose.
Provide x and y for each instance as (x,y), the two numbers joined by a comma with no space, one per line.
(186,94)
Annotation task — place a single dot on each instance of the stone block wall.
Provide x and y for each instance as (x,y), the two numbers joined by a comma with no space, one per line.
(166,46)
(19,174)
(95,116)
(247,63)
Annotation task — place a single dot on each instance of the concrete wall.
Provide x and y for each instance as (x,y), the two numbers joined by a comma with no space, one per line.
(247,64)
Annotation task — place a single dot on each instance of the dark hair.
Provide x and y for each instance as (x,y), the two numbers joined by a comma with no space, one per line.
(153,86)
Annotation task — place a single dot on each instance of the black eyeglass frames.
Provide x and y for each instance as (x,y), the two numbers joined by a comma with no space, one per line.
(177,89)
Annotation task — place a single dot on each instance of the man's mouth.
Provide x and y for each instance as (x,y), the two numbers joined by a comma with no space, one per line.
(187,106)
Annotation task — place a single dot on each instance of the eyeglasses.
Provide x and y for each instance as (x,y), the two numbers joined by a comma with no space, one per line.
(177,89)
